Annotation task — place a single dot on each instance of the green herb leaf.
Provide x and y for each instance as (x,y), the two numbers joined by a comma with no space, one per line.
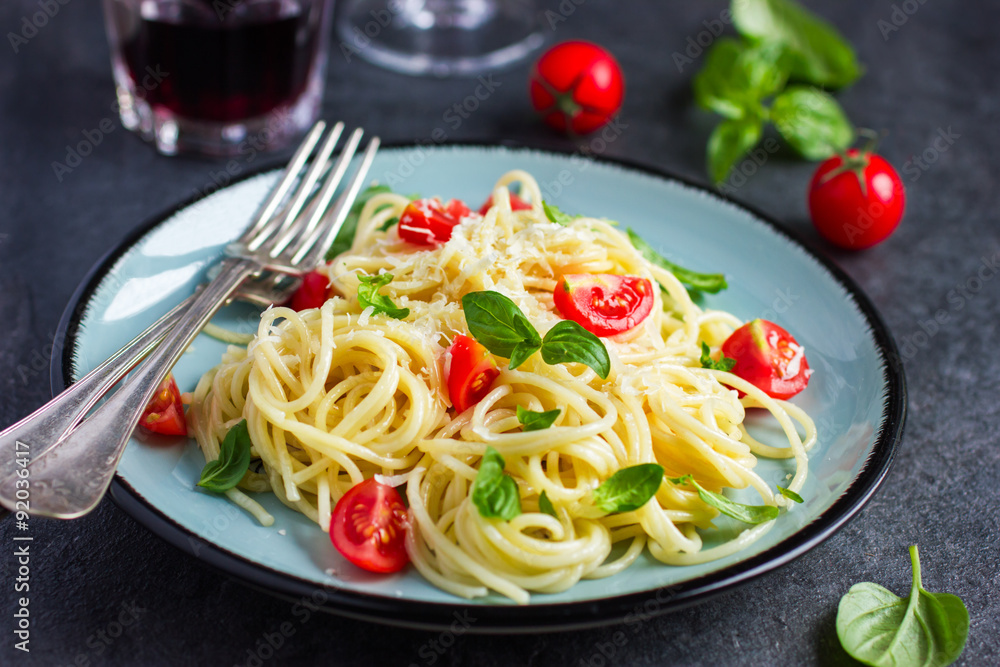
(568,342)
(536,421)
(629,488)
(738,75)
(812,122)
(494,492)
(752,514)
(496,322)
(388,224)
(345,237)
(877,627)
(704,282)
(791,495)
(368,296)
(553,213)
(730,141)
(545,505)
(226,471)
(819,54)
(723,364)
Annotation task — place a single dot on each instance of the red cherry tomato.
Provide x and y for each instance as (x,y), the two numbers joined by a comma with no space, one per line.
(429,222)
(312,293)
(769,358)
(516,204)
(858,202)
(368,527)
(165,413)
(577,87)
(603,304)
(471,373)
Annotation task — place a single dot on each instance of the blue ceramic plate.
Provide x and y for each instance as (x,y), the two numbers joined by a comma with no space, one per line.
(856,396)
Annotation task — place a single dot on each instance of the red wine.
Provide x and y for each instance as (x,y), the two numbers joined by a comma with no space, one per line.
(226,68)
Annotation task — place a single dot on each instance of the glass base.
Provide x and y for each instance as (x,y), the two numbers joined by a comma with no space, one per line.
(438,37)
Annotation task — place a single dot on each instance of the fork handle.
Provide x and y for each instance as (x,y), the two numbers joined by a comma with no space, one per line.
(70,478)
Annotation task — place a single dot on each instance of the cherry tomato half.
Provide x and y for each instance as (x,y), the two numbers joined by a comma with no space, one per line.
(165,413)
(516,204)
(604,304)
(769,358)
(577,87)
(429,222)
(368,527)
(857,202)
(471,373)
(312,293)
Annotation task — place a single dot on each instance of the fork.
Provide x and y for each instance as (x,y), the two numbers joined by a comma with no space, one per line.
(70,478)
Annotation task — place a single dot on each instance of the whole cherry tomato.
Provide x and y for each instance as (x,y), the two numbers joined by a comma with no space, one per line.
(856,200)
(769,358)
(577,87)
(471,372)
(368,527)
(604,304)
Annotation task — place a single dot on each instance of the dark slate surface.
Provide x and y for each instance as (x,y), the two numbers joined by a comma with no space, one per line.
(937,72)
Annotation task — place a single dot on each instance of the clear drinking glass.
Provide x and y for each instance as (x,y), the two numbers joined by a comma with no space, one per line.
(208,76)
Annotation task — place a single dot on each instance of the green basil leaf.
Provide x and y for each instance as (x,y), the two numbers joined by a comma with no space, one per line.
(723,364)
(752,514)
(545,505)
(345,237)
(494,492)
(536,421)
(368,296)
(497,323)
(791,495)
(877,627)
(738,75)
(226,471)
(389,224)
(629,488)
(553,213)
(819,54)
(730,141)
(568,342)
(704,282)
(812,122)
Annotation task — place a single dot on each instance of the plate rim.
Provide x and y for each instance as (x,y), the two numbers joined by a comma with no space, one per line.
(534,617)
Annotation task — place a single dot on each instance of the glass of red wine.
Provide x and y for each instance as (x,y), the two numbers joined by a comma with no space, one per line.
(218,77)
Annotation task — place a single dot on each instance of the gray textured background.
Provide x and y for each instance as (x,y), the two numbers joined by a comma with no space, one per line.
(938,71)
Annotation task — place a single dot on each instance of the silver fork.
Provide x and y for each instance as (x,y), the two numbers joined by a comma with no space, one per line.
(69,479)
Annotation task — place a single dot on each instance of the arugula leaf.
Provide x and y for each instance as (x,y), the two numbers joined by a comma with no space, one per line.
(723,364)
(226,471)
(496,322)
(345,237)
(629,488)
(752,514)
(811,122)
(368,296)
(729,141)
(791,495)
(545,505)
(553,213)
(494,492)
(568,342)
(705,282)
(819,54)
(536,421)
(877,627)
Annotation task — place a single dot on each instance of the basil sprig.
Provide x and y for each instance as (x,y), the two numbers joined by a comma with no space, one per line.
(226,471)
(368,296)
(723,364)
(545,505)
(877,627)
(629,488)
(496,322)
(703,282)
(494,492)
(536,421)
(752,514)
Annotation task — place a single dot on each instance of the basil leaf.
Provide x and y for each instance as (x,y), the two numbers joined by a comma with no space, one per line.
(819,54)
(704,282)
(345,237)
(536,421)
(737,76)
(812,122)
(494,492)
(629,488)
(568,342)
(368,296)
(553,213)
(389,224)
(877,627)
(545,505)
(791,495)
(226,471)
(752,514)
(497,323)
(723,364)
(730,141)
